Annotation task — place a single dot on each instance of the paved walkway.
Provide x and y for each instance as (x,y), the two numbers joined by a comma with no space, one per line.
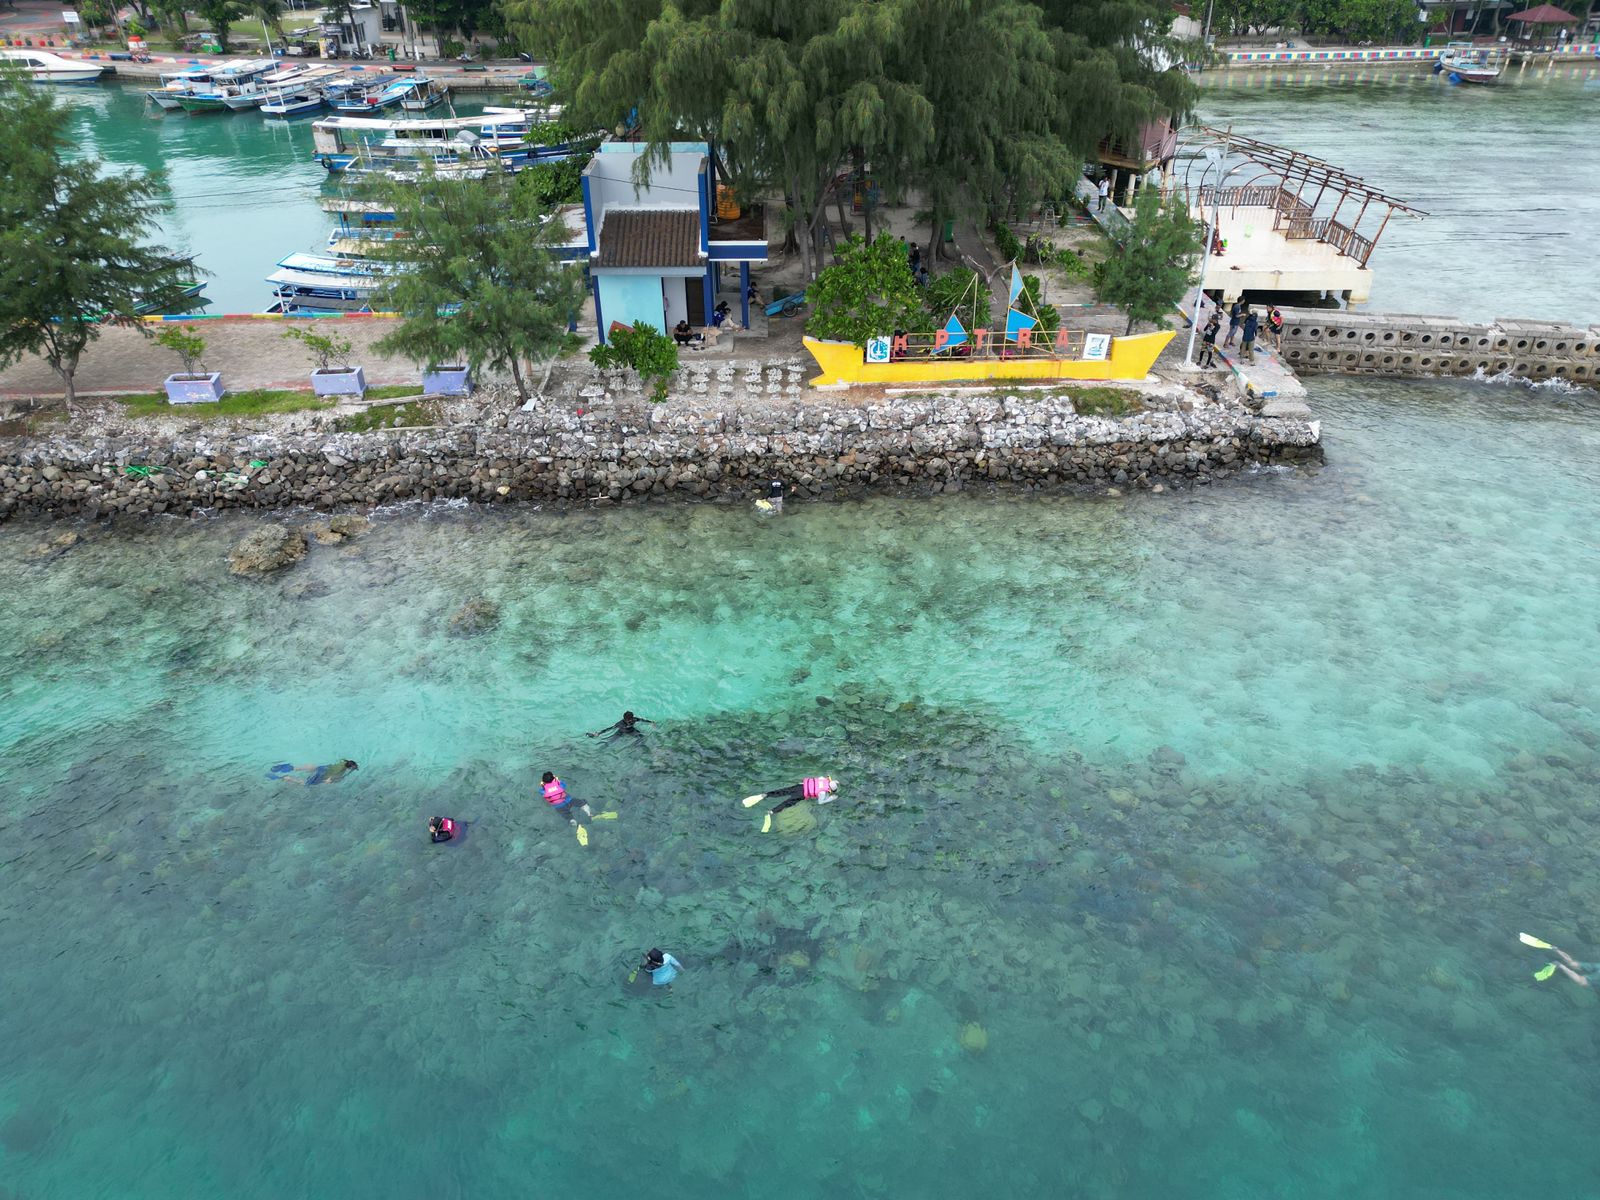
(249,354)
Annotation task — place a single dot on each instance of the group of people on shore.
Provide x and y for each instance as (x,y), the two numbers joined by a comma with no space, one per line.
(1245,323)
(662,968)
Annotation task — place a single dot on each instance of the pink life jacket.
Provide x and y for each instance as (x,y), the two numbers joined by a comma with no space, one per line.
(555,792)
(814,787)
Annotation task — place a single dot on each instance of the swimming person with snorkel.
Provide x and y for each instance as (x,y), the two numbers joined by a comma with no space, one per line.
(628,725)
(1581,973)
(326,773)
(555,794)
(819,788)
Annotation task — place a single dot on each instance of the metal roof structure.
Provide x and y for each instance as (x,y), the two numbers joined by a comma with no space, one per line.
(1303,184)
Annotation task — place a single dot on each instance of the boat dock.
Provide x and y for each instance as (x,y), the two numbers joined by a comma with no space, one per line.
(487,77)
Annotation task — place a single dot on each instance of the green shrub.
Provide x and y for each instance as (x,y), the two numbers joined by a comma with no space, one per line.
(644,348)
(325,349)
(188,345)
(954,292)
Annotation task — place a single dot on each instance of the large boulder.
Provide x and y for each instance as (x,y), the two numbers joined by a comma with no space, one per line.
(268,549)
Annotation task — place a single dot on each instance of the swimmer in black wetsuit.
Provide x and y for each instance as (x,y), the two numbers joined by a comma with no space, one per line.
(628,724)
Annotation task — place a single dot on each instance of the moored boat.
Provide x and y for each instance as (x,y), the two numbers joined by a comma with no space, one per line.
(424,94)
(43,67)
(1462,62)
(176,84)
(232,85)
(290,93)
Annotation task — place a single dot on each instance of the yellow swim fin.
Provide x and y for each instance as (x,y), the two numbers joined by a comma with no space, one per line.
(1527,939)
(752,801)
(1545,972)
(766,825)
(583,836)
(605,816)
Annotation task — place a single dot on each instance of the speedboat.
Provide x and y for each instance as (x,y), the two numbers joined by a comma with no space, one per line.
(43,67)
(177,84)
(1462,62)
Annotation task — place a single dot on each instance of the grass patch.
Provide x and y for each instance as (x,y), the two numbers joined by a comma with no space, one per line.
(252,404)
(1104,402)
(232,404)
(390,416)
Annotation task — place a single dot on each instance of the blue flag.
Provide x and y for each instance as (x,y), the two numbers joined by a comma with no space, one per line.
(1016,322)
(1016,284)
(956,331)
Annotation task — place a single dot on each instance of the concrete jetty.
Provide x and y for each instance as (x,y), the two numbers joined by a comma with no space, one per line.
(1404,345)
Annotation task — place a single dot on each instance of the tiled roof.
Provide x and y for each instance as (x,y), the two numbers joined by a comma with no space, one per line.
(635,237)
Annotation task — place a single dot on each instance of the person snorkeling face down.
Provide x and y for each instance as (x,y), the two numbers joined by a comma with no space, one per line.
(323,773)
(441,829)
(555,794)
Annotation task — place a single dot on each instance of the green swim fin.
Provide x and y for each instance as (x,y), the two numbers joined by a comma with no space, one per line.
(766,825)
(1545,972)
(752,801)
(583,836)
(605,816)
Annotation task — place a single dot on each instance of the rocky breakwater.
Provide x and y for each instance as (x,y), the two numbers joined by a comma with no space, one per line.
(610,446)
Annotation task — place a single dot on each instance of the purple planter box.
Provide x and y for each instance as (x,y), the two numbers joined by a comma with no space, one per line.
(447,381)
(194,389)
(339,381)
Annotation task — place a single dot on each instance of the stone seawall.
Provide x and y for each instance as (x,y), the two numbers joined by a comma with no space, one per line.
(1397,344)
(618,450)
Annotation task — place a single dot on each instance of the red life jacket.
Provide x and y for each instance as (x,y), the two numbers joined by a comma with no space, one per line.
(555,792)
(813,787)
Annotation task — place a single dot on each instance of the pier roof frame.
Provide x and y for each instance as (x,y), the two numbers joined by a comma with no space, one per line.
(1298,173)
(1294,166)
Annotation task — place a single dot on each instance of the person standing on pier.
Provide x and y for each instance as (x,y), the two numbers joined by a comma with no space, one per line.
(1208,342)
(1247,339)
(1275,328)
(1105,191)
(1234,310)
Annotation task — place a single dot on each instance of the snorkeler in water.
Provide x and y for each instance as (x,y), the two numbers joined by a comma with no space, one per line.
(628,725)
(663,968)
(819,788)
(314,774)
(1581,973)
(441,829)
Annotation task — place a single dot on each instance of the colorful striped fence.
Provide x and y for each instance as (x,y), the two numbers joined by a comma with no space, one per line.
(1376,54)
(266,316)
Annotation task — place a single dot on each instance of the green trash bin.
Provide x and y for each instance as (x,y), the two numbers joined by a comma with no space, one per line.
(391,53)
(949,231)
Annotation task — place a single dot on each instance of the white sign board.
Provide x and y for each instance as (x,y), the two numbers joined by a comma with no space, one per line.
(878,350)
(1096,347)
(71,18)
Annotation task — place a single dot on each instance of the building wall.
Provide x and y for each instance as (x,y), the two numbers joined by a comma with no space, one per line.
(632,300)
(673,185)
(677,299)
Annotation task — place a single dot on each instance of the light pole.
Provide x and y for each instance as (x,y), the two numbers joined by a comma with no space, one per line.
(1214,158)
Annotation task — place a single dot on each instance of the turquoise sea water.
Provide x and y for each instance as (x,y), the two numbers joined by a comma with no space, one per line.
(1507,175)
(1209,818)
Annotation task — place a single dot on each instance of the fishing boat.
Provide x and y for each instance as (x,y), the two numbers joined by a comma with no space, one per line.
(339,142)
(369,93)
(43,67)
(296,93)
(424,94)
(914,359)
(187,291)
(1462,62)
(238,82)
(307,282)
(176,84)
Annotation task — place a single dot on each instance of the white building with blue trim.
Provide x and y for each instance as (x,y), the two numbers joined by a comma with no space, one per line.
(658,251)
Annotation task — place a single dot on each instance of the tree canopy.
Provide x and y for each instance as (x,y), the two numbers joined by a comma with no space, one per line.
(1154,267)
(74,248)
(867,293)
(981,106)
(1347,20)
(476,277)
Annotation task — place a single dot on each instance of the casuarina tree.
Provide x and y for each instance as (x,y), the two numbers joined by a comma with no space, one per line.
(75,249)
(1155,265)
(476,276)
